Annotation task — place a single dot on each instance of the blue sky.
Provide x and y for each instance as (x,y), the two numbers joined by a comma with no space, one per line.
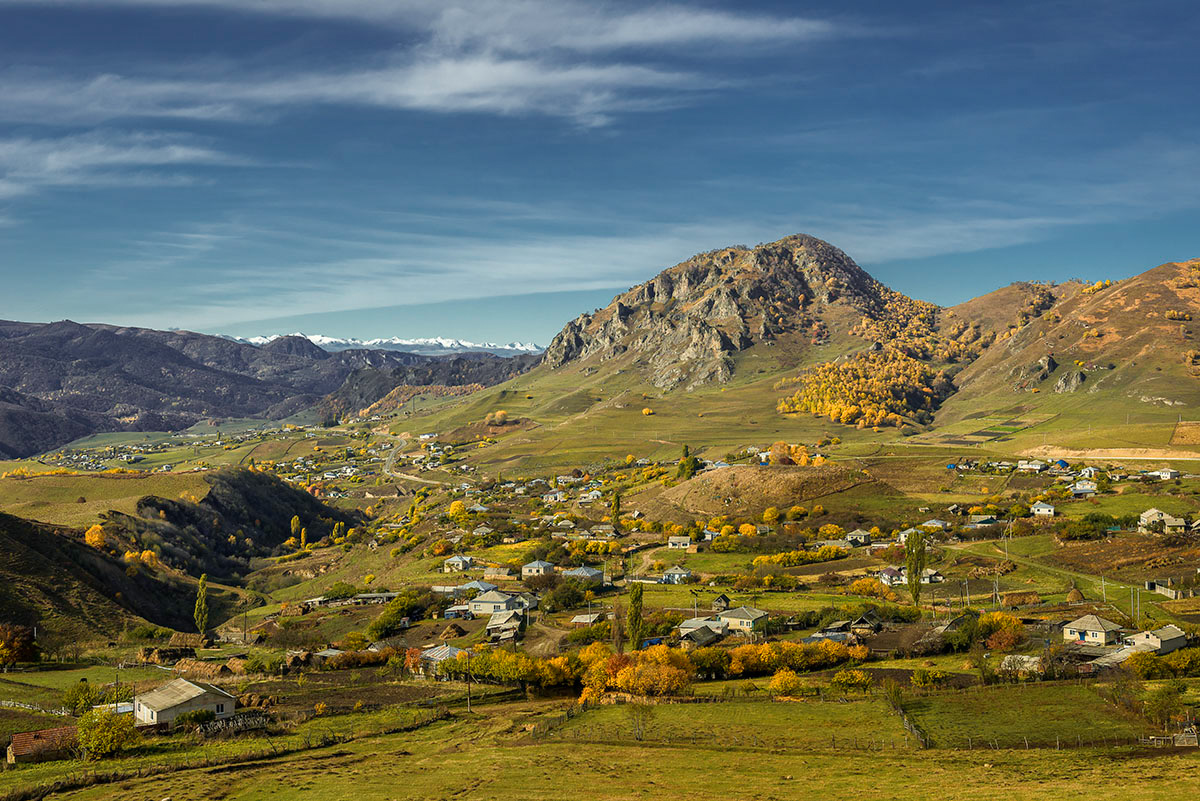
(488,170)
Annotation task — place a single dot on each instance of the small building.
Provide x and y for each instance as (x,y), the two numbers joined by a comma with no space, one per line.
(176,697)
(1161,641)
(712,622)
(505,626)
(1166,474)
(745,619)
(538,567)
(554,496)
(891,577)
(721,603)
(435,655)
(676,575)
(1150,519)
(1084,488)
(475,586)
(679,542)
(1091,630)
(587,619)
(859,538)
(1042,509)
(585,574)
(42,745)
(1031,466)
(903,536)
(491,602)
(499,573)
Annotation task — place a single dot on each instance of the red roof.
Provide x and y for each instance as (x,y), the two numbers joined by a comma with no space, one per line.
(28,742)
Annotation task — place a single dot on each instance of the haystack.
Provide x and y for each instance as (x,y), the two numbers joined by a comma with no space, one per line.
(1014,599)
(453,632)
(1074,596)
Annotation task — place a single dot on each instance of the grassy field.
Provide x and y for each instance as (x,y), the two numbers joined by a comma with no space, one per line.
(45,687)
(56,498)
(760,724)
(487,756)
(1007,715)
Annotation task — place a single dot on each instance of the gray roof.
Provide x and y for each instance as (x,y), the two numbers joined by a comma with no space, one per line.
(538,563)
(493,597)
(176,692)
(744,613)
(1093,623)
(586,570)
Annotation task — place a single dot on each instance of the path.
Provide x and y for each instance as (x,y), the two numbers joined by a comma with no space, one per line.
(390,463)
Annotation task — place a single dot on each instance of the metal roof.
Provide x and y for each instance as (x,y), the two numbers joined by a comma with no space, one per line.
(176,692)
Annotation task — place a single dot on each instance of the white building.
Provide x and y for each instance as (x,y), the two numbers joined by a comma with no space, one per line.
(174,698)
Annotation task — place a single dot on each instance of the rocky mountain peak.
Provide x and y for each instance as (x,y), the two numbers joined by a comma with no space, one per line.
(683,326)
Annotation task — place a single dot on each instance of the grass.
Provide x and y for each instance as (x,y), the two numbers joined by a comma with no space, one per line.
(56,499)
(45,687)
(1007,715)
(758,723)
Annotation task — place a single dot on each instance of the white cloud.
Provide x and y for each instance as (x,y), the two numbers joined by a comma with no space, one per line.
(579,60)
(100,159)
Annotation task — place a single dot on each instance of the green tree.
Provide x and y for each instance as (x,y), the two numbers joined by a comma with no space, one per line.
(296,526)
(633,619)
(616,508)
(200,615)
(914,561)
(1165,702)
(102,732)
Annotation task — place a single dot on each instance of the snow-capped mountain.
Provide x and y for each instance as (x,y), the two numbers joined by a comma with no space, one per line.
(425,346)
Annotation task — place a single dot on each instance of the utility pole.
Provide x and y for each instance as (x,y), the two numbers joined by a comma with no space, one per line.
(468,682)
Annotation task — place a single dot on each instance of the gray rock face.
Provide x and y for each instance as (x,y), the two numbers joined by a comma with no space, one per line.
(684,326)
(1070,381)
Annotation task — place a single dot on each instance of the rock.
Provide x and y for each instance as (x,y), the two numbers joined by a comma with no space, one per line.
(1070,381)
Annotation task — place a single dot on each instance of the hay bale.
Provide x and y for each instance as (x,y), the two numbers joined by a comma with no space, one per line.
(1074,596)
(453,632)
(237,665)
(183,640)
(1014,599)
(202,670)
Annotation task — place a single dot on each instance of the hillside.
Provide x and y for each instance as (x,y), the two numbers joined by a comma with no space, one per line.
(1097,356)
(50,578)
(60,381)
(244,515)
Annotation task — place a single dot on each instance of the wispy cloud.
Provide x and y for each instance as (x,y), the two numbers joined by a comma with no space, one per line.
(102,159)
(582,61)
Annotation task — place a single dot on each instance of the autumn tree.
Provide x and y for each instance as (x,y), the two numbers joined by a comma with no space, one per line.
(296,526)
(95,537)
(200,614)
(16,645)
(914,561)
(770,515)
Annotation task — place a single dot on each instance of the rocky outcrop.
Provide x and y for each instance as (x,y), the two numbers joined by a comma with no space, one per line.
(683,327)
(1070,382)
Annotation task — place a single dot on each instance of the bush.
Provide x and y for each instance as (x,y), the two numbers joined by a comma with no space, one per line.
(102,733)
(929,677)
(847,680)
(194,718)
(785,682)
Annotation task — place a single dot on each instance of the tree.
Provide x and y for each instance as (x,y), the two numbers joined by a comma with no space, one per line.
(304,539)
(16,645)
(200,615)
(296,526)
(616,510)
(914,561)
(102,732)
(770,515)
(94,537)
(1165,702)
(785,682)
(633,619)
(640,718)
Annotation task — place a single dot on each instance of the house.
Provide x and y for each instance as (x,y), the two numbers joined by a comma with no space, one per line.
(676,575)
(457,564)
(176,697)
(435,655)
(859,538)
(931,576)
(940,525)
(498,573)
(903,536)
(554,496)
(588,619)
(1042,509)
(505,625)
(699,637)
(1161,641)
(745,619)
(42,745)
(679,542)
(482,531)
(526,600)
(585,574)
(891,576)
(1031,466)
(478,508)
(713,622)
(1166,474)
(981,521)
(1091,630)
(1148,522)
(538,567)
(721,603)
(491,602)
(593,495)
(866,623)
(1089,473)
(1084,488)
(475,586)
(458,611)
(394,643)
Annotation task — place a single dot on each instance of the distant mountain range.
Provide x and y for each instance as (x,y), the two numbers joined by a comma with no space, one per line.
(424,346)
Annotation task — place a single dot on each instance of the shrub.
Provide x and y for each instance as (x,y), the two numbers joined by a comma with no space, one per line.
(929,677)
(846,680)
(785,682)
(102,733)
(194,718)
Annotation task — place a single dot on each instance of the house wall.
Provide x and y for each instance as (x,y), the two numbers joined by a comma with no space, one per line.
(1094,637)
(143,715)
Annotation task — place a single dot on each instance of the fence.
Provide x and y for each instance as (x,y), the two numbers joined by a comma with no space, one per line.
(62,712)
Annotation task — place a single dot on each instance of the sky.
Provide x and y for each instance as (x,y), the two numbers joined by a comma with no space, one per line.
(488,169)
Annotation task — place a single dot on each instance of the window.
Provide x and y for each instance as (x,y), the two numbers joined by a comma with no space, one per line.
(220,708)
